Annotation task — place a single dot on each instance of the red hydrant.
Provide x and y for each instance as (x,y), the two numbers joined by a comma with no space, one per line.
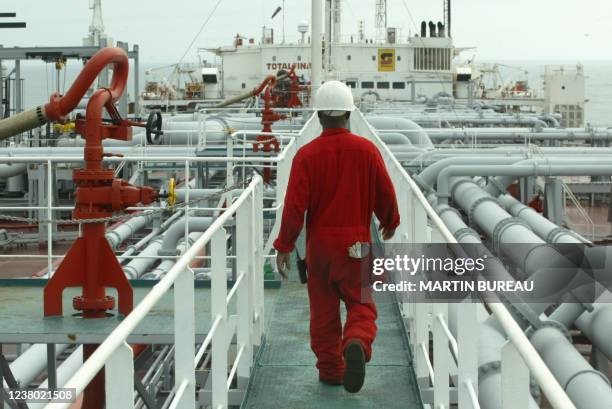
(90,263)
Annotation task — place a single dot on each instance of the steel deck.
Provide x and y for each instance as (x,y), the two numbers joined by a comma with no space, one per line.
(22,321)
(285,376)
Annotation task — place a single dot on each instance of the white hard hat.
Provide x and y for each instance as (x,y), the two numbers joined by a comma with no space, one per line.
(334,98)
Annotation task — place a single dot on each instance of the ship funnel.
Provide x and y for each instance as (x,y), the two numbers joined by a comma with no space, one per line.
(441,30)
(432,29)
(423,29)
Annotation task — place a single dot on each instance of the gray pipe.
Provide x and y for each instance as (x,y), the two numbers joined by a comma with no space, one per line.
(138,266)
(428,176)
(543,227)
(394,138)
(525,134)
(177,230)
(12,169)
(535,169)
(588,388)
(595,324)
(431,156)
(122,232)
(416,134)
(167,264)
(488,215)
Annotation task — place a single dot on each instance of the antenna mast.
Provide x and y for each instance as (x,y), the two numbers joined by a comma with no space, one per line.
(381,20)
(447,17)
(96,29)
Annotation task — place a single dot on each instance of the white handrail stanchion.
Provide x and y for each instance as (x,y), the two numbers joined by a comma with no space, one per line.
(184,337)
(441,357)
(218,294)
(514,379)
(119,378)
(467,359)
(244,265)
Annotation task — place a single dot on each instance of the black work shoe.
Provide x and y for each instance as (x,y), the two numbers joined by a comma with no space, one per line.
(354,359)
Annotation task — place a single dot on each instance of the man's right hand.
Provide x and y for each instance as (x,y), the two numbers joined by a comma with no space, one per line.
(386,233)
(283,261)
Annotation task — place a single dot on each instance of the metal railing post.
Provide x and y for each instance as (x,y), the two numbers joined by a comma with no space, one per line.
(184,337)
(514,378)
(49,217)
(258,263)
(245,265)
(441,357)
(119,378)
(218,296)
(467,359)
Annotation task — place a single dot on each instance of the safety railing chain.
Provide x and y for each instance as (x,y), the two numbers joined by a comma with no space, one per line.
(124,217)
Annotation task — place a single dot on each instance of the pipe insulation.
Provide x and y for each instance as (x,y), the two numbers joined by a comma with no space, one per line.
(22,122)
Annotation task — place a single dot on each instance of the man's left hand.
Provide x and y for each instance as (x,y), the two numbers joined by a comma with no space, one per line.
(283,261)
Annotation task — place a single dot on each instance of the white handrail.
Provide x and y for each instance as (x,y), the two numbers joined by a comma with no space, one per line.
(116,338)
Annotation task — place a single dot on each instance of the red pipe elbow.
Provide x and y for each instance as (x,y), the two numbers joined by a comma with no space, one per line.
(60,106)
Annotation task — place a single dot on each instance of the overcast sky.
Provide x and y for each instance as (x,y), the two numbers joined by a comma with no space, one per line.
(569,30)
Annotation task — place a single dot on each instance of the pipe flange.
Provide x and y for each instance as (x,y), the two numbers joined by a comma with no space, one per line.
(559,231)
(550,324)
(502,226)
(478,202)
(495,366)
(490,367)
(466,231)
(448,209)
(585,371)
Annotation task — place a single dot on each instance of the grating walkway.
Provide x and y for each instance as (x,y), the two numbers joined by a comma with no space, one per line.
(285,376)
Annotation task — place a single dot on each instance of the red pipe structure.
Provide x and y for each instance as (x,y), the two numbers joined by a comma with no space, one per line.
(268,117)
(90,263)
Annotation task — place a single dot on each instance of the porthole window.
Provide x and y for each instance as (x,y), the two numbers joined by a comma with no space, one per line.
(348,57)
(399,58)
(299,58)
(373,58)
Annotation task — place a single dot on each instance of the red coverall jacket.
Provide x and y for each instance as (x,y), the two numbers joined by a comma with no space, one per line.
(339,180)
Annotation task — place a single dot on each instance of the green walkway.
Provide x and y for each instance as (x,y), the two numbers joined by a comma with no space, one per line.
(285,376)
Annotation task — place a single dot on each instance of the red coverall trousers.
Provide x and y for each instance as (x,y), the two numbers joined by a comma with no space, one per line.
(338,180)
(332,277)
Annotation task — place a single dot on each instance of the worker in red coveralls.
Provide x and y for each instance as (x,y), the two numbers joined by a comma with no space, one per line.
(339,179)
